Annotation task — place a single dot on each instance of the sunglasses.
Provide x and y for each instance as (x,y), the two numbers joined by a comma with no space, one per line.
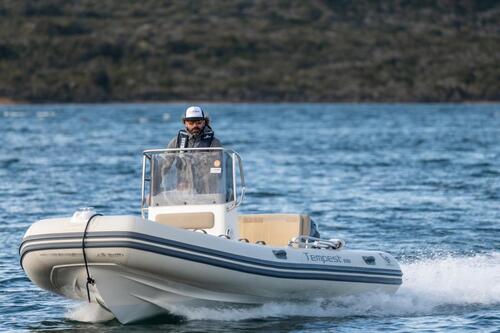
(194,122)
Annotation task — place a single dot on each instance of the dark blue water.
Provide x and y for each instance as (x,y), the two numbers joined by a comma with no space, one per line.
(419,181)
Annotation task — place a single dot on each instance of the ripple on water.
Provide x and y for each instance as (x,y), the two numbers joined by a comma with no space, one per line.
(420,181)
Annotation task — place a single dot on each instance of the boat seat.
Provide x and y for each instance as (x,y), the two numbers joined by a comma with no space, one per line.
(274,229)
(203,220)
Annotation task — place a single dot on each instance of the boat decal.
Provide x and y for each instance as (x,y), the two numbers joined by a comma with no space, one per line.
(386,259)
(213,252)
(172,252)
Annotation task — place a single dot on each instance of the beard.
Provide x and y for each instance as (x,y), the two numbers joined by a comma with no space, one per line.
(195,130)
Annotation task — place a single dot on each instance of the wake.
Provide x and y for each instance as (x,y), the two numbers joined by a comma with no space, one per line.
(428,285)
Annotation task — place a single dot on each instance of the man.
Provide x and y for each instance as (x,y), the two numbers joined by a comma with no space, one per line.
(197,132)
(194,171)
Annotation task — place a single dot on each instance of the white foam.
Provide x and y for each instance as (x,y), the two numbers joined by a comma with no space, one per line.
(89,313)
(14,114)
(427,284)
(45,114)
(454,280)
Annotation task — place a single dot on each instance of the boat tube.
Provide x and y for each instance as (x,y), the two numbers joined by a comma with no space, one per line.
(190,246)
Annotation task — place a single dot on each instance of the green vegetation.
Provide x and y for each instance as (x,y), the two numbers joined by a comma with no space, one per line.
(266,51)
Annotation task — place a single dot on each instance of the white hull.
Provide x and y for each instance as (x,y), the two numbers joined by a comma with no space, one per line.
(142,268)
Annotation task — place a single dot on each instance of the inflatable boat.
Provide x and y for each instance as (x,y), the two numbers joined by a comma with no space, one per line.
(190,246)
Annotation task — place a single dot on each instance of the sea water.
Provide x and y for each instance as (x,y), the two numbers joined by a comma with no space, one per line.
(419,181)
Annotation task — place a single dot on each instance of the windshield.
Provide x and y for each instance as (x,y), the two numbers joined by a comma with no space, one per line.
(191,177)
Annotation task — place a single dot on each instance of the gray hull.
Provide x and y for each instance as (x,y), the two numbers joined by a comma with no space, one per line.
(142,268)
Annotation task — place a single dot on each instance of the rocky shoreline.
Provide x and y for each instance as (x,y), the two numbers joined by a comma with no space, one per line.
(250,51)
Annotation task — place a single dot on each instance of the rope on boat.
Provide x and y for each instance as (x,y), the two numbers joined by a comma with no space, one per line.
(89,279)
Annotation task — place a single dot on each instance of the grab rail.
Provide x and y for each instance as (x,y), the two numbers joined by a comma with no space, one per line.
(307,242)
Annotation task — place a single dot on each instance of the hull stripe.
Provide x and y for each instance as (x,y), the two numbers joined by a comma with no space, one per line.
(311,275)
(212,252)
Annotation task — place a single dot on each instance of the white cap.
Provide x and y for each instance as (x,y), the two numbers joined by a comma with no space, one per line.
(194,113)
